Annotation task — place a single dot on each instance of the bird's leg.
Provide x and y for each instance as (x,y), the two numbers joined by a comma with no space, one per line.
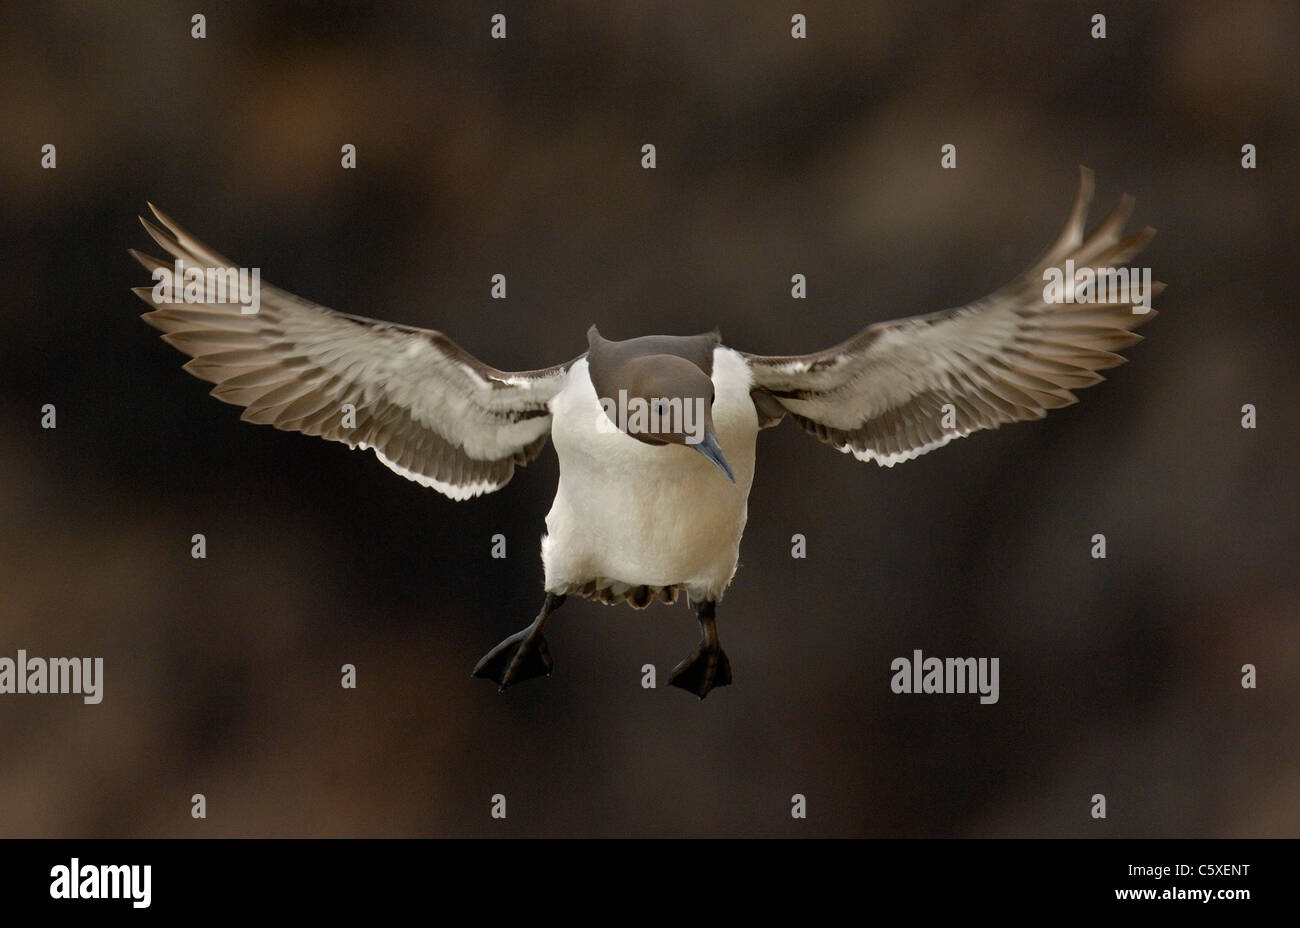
(524,654)
(707,666)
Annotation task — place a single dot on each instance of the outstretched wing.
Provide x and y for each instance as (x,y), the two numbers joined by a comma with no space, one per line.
(429,410)
(899,389)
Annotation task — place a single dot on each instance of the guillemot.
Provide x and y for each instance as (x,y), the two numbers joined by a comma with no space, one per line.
(655,435)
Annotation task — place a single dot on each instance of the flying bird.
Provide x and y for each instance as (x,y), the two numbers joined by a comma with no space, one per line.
(655,435)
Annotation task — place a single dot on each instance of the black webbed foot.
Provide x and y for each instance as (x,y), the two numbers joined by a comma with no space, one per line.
(707,666)
(520,657)
(523,655)
(702,671)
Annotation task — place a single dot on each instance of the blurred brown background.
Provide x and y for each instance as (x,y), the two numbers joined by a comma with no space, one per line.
(776,156)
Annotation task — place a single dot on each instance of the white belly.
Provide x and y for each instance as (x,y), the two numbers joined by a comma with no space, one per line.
(628,514)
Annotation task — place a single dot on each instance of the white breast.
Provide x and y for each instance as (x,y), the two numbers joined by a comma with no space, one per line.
(631,514)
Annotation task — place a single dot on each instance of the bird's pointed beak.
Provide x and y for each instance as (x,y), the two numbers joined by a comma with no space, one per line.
(709,448)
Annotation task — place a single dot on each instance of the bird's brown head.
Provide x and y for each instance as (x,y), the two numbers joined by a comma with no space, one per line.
(654,395)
